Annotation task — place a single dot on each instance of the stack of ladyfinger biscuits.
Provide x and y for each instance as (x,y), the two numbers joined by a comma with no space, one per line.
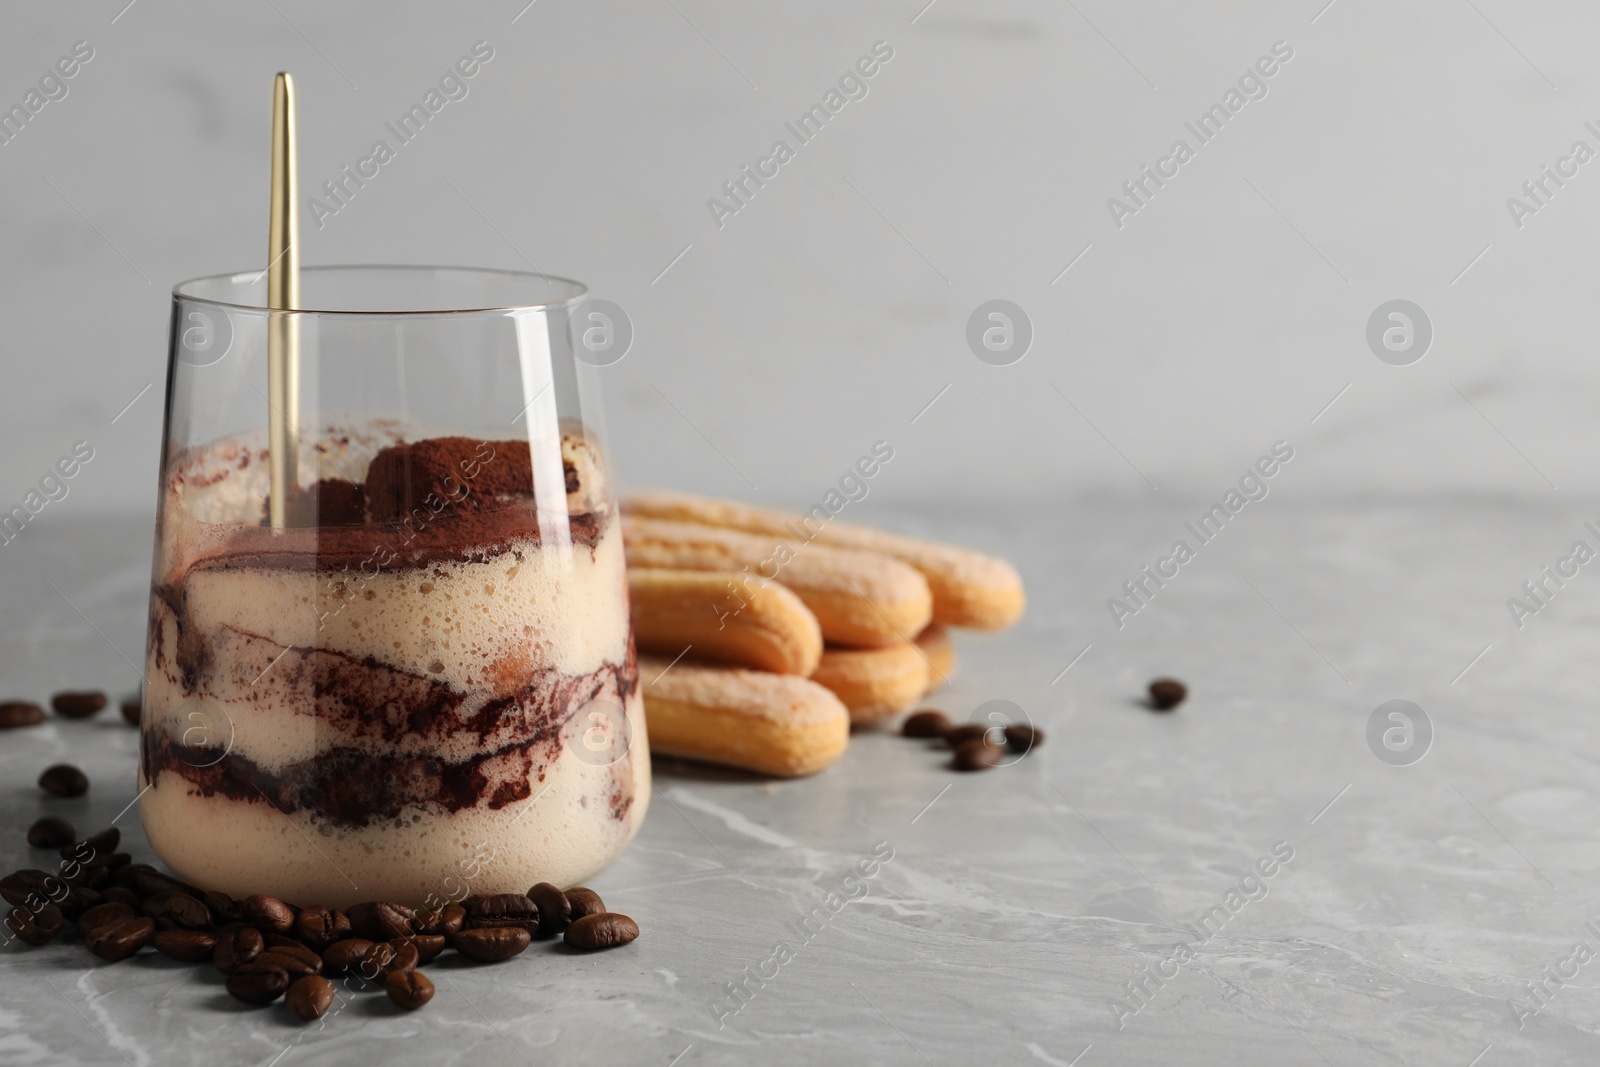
(765,636)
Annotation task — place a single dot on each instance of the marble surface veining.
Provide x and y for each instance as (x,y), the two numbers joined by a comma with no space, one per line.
(1048,912)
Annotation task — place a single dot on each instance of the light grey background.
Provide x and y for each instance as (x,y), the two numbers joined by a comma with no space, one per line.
(1228,314)
(832,309)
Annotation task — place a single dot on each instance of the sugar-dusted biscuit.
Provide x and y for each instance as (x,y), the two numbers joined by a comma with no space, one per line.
(940,653)
(768,723)
(677,610)
(874,683)
(860,599)
(969,589)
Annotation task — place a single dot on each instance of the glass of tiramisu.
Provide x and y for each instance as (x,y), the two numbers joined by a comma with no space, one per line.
(415,679)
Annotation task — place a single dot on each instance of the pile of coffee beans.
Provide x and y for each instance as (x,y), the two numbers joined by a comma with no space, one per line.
(976,747)
(268,948)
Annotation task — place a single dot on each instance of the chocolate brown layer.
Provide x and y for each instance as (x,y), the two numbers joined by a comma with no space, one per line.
(353,785)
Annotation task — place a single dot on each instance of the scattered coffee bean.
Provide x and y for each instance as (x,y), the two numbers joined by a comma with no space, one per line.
(1167,693)
(585,902)
(64,780)
(502,909)
(107,914)
(1023,738)
(319,927)
(82,705)
(130,712)
(297,960)
(224,909)
(408,989)
(957,736)
(77,900)
(190,946)
(103,843)
(359,956)
(18,886)
(446,920)
(14,713)
(926,724)
(428,946)
(405,957)
(258,983)
(977,754)
(309,997)
(177,911)
(236,948)
(267,913)
(118,895)
(594,932)
(51,832)
(280,940)
(35,927)
(122,939)
(492,944)
(555,910)
(378,920)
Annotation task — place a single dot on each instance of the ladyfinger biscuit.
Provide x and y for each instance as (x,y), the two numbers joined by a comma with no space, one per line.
(969,589)
(874,683)
(771,631)
(768,723)
(940,653)
(860,599)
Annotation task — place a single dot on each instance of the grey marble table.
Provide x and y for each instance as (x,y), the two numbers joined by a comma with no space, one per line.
(1054,911)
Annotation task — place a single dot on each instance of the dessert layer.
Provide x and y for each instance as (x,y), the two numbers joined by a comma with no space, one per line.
(242,846)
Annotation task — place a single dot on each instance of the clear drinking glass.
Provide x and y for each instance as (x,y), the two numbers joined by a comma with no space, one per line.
(423,685)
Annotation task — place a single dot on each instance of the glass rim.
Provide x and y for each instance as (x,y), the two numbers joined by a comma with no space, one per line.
(575,291)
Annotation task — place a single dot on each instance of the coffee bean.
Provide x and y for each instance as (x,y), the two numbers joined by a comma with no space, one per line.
(224,909)
(926,724)
(85,875)
(957,736)
(378,920)
(406,957)
(14,713)
(555,910)
(64,780)
(977,754)
(178,911)
(122,939)
(491,944)
(80,705)
(51,832)
(358,956)
(146,881)
(190,946)
(428,946)
(408,989)
(130,712)
(118,895)
(446,920)
(320,927)
(585,902)
(594,932)
(105,842)
(102,915)
(35,927)
(267,913)
(1023,738)
(502,909)
(237,947)
(17,887)
(309,997)
(297,960)
(257,983)
(1167,693)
